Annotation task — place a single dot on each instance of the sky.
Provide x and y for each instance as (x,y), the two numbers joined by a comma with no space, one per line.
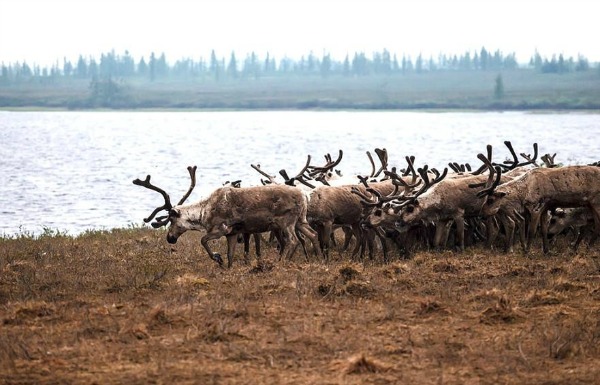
(47,31)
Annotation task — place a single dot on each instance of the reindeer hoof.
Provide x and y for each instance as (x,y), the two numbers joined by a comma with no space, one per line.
(217,258)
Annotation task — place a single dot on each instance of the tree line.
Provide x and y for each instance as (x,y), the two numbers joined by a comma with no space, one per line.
(111,65)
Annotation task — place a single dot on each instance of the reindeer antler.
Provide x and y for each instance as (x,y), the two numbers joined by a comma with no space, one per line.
(529,158)
(492,187)
(192,171)
(484,166)
(372,164)
(328,165)
(366,200)
(163,220)
(383,158)
(167,206)
(549,160)
(299,177)
(270,178)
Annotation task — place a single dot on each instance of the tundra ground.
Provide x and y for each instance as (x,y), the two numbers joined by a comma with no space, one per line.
(126,307)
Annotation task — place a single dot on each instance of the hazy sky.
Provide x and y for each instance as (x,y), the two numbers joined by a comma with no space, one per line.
(45,31)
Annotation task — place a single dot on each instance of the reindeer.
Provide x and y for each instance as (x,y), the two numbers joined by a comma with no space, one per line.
(578,219)
(338,205)
(331,207)
(510,218)
(229,211)
(444,201)
(245,237)
(542,189)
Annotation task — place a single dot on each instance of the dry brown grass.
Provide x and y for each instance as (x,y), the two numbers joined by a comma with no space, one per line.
(126,307)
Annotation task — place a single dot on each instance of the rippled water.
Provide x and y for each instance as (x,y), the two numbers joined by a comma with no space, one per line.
(72,171)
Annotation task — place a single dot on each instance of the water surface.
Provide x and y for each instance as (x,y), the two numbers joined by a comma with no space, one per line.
(72,171)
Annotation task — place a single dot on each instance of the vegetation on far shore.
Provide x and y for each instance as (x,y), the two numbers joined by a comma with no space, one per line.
(482,80)
(125,306)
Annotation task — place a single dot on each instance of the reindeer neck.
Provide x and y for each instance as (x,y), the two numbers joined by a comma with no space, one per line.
(196,212)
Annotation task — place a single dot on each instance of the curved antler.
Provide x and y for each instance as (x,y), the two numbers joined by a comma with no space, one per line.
(192,171)
(488,165)
(484,166)
(270,178)
(383,158)
(163,220)
(299,177)
(529,158)
(490,190)
(366,200)
(426,186)
(167,206)
(328,165)
(515,162)
(372,164)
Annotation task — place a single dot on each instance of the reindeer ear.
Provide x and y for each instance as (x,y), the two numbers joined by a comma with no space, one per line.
(174,213)
(499,194)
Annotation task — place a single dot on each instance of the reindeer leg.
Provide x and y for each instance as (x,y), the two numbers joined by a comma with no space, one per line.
(312,235)
(490,231)
(509,226)
(441,234)
(291,242)
(280,236)
(302,240)
(246,239)
(523,236)
(325,238)
(545,222)
(583,231)
(214,233)
(231,244)
(595,209)
(257,244)
(370,241)
(347,237)
(382,238)
(535,215)
(460,233)
(359,236)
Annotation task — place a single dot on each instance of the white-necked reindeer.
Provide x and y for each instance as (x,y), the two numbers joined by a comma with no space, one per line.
(229,211)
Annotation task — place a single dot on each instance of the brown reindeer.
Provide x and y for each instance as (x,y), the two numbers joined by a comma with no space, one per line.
(331,207)
(338,205)
(542,189)
(229,211)
(444,201)
(579,220)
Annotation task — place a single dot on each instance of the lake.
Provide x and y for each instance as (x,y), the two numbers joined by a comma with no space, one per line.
(73,171)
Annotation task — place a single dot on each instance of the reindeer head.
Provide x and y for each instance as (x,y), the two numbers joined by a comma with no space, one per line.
(411,211)
(174,215)
(381,211)
(494,199)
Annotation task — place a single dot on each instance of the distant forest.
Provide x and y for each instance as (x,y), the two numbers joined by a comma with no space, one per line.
(381,80)
(252,66)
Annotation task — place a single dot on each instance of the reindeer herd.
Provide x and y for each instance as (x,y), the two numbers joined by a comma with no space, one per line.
(405,209)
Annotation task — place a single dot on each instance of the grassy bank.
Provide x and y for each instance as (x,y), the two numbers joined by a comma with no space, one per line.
(522,90)
(124,306)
